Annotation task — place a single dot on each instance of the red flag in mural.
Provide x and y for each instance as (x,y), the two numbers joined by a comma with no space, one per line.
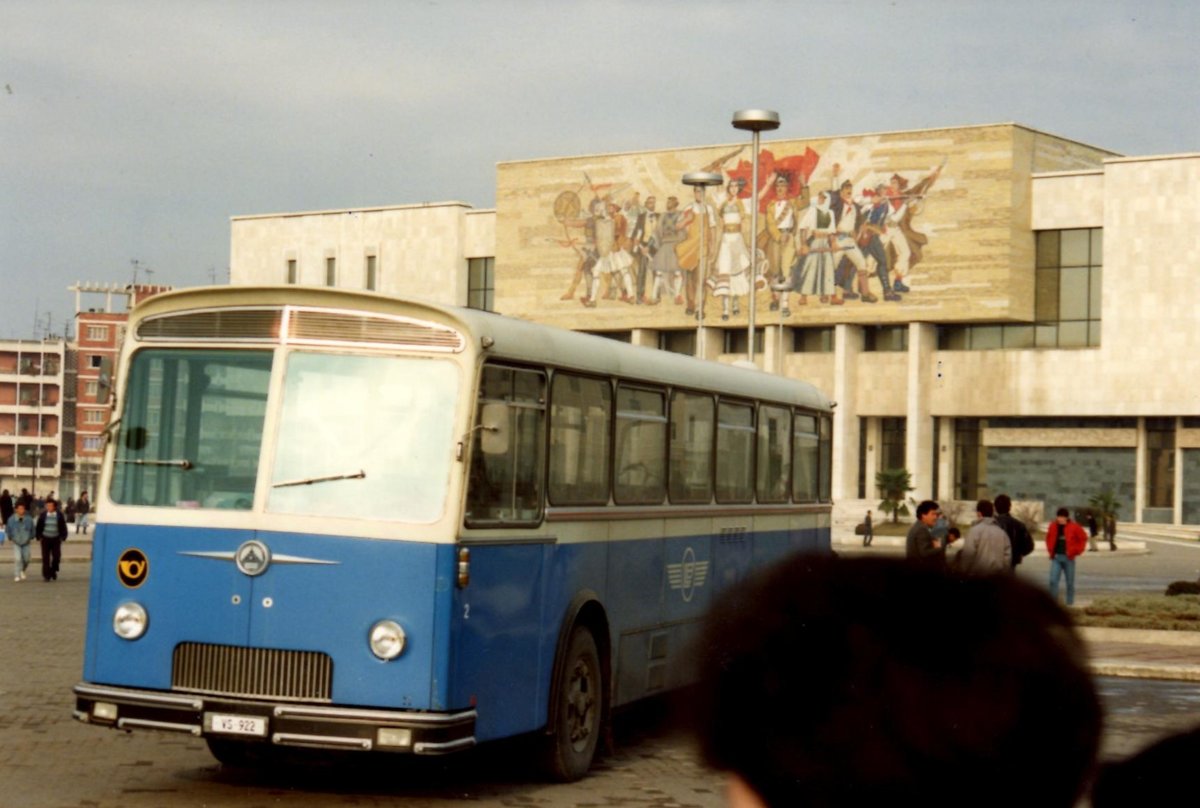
(797,168)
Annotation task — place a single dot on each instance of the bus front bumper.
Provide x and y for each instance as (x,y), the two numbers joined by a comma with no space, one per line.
(309,725)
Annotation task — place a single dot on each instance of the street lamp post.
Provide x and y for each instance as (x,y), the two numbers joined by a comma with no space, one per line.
(754,120)
(702,180)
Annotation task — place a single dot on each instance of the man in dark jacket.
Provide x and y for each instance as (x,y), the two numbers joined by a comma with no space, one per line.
(920,545)
(1018,534)
(51,529)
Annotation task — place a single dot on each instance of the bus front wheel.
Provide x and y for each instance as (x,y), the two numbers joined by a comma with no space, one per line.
(571,744)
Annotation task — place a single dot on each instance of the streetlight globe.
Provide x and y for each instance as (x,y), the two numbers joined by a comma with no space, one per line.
(702,178)
(756,120)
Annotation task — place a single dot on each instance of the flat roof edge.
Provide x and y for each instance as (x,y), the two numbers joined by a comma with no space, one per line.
(369,209)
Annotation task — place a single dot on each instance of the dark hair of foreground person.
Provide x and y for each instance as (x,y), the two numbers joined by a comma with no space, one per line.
(845,682)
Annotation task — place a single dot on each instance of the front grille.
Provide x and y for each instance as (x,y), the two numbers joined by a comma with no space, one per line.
(264,673)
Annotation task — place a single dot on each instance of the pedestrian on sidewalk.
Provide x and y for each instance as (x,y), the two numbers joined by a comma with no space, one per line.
(1090,519)
(986,550)
(82,508)
(868,531)
(1110,531)
(1018,534)
(6,506)
(1065,541)
(51,530)
(20,531)
(920,545)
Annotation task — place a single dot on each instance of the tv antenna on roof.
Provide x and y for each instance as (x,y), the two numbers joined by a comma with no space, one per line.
(138,265)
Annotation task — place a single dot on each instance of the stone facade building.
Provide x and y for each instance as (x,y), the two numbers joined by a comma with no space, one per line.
(993,308)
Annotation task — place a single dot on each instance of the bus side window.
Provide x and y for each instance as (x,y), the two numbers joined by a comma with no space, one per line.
(505,483)
(805,450)
(691,448)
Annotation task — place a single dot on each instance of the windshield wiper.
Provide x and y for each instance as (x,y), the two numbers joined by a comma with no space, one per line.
(353,475)
(182,463)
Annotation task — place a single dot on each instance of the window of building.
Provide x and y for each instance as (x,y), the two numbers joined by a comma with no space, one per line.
(293,274)
(891,443)
(885,338)
(812,340)
(372,270)
(91,389)
(970,458)
(737,340)
(97,333)
(93,416)
(615,336)
(93,444)
(1066,300)
(331,271)
(1160,462)
(680,342)
(481,283)
(94,361)
(1067,303)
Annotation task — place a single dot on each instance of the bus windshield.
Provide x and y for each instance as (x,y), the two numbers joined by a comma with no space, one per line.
(191,429)
(368,436)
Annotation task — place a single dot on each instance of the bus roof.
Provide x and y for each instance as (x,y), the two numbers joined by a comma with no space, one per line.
(510,338)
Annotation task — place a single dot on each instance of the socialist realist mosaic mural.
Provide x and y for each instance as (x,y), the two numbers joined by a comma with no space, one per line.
(883,228)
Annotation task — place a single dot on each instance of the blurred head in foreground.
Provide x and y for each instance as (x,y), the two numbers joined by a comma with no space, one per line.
(840,682)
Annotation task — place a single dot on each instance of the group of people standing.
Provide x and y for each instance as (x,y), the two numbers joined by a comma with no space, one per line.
(27,518)
(997,541)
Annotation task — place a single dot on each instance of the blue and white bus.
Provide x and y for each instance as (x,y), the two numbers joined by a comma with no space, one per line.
(344,521)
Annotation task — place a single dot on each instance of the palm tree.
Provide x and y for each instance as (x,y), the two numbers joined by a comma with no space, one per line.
(894,485)
(1105,503)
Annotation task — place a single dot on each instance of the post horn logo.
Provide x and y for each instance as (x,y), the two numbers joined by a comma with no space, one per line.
(132,568)
(253,558)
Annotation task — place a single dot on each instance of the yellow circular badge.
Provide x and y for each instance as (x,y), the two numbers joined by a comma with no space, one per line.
(132,568)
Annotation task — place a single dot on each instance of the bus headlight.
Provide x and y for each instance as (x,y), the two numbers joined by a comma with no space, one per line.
(387,639)
(130,621)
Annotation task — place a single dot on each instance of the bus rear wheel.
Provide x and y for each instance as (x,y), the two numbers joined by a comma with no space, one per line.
(571,744)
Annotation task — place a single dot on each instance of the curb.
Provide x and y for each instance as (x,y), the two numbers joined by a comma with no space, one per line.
(1132,670)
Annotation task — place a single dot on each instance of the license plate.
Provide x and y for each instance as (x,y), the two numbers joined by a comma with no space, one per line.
(236,724)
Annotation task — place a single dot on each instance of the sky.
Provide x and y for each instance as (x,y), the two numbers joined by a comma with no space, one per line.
(130,132)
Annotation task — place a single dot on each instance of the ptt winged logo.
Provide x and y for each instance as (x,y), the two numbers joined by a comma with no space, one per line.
(687,576)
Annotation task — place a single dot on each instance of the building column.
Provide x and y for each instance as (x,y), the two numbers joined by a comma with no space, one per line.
(1177,485)
(1139,475)
(945,440)
(847,345)
(645,337)
(919,437)
(710,342)
(773,352)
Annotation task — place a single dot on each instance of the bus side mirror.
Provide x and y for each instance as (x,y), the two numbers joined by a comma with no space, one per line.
(493,428)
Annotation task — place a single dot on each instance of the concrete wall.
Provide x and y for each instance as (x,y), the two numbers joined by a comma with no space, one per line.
(421,251)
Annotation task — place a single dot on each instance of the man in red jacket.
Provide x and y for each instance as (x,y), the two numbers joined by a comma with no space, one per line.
(1064,540)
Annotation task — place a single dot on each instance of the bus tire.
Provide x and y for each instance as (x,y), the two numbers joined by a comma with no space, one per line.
(572,740)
